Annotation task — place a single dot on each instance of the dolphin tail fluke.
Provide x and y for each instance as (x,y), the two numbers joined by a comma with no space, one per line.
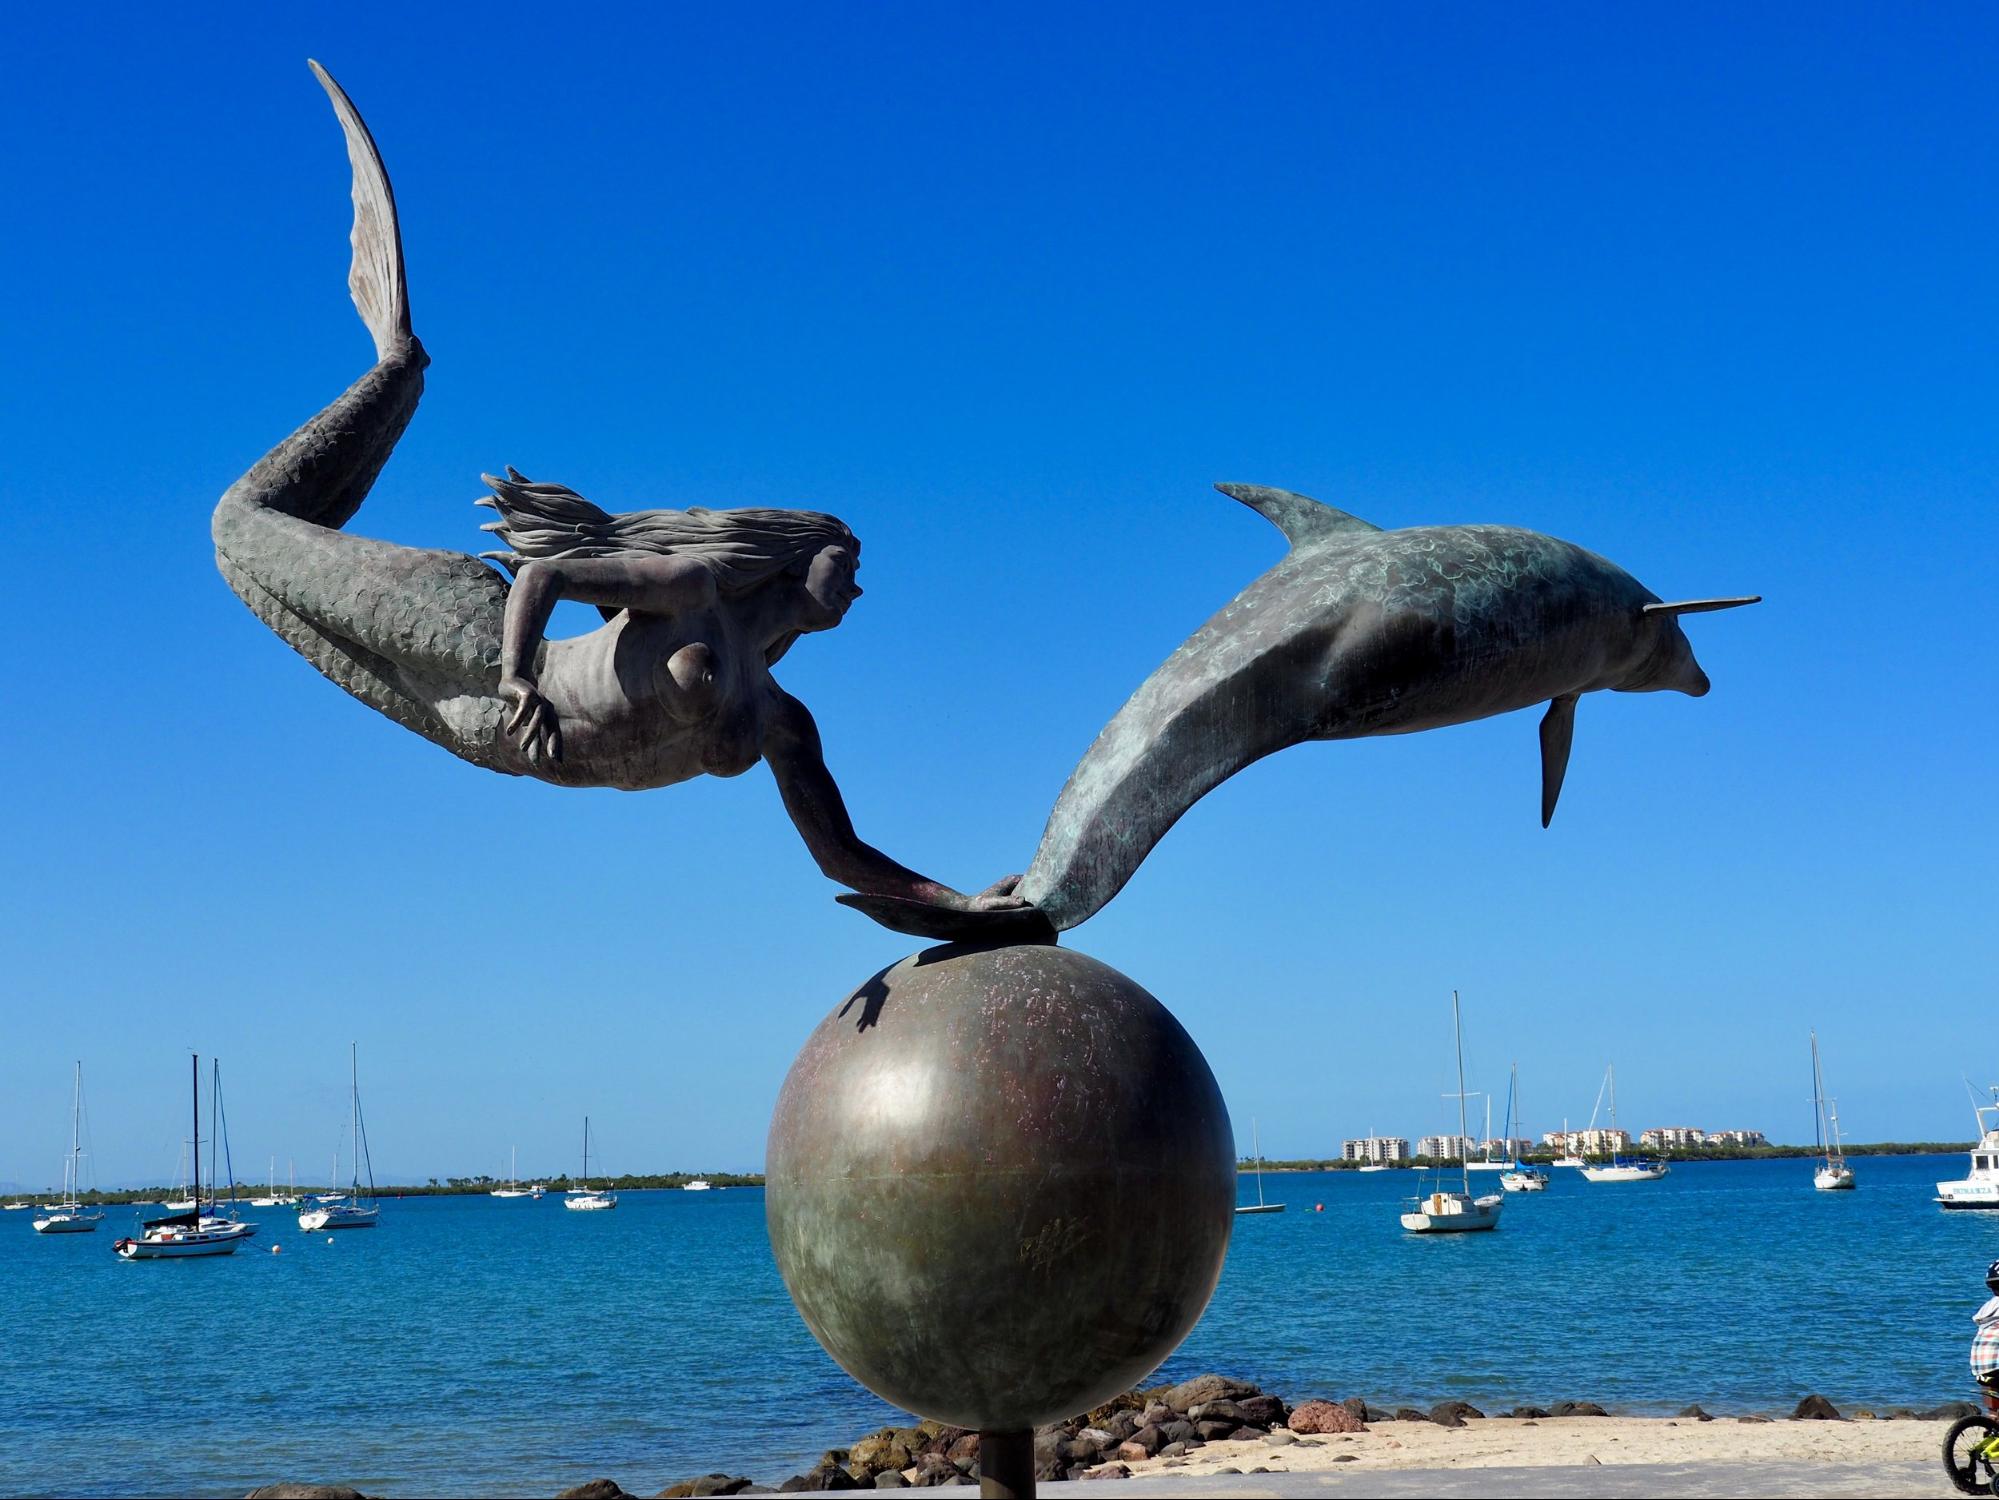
(1558,729)
(376,279)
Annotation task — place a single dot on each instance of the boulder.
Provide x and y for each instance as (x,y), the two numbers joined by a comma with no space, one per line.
(288,1489)
(1530,1413)
(935,1469)
(1580,1409)
(965,1450)
(707,1484)
(1156,1414)
(1752,1419)
(1696,1413)
(592,1489)
(1247,1434)
(1149,1439)
(1264,1411)
(887,1449)
(1107,1471)
(1176,1449)
(891,1479)
(1217,1411)
(1409,1414)
(1123,1425)
(1204,1388)
(1455,1413)
(1950,1411)
(1211,1431)
(1324,1416)
(1816,1408)
(1364,1413)
(1179,1430)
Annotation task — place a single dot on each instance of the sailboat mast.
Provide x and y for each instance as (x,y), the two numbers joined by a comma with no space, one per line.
(1457,1026)
(1818,1101)
(194,1089)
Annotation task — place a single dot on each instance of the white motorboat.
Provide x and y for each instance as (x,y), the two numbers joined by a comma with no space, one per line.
(350,1210)
(1258,1207)
(1375,1166)
(1833,1174)
(513,1189)
(1981,1188)
(537,1190)
(68,1215)
(1442,1211)
(1620,1168)
(583,1199)
(697,1185)
(182,1236)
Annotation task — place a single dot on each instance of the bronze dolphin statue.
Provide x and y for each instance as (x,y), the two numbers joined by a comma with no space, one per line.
(1356,632)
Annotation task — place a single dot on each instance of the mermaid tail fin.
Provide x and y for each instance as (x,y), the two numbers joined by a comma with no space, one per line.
(381,295)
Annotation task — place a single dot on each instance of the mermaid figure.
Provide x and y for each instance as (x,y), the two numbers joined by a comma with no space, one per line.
(698,606)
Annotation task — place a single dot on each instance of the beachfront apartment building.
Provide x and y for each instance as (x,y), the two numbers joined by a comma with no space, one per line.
(1588,1142)
(1384,1149)
(1737,1138)
(1672,1138)
(1447,1147)
(1502,1148)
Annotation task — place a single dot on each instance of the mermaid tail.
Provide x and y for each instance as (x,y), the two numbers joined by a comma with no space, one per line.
(412,632)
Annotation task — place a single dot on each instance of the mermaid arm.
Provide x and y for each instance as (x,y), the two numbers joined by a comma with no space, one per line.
(648,584)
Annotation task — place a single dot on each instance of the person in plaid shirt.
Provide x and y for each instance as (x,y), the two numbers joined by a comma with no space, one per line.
(1985,1342)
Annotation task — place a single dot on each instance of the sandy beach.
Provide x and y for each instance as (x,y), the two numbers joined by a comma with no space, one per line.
(1724,1456)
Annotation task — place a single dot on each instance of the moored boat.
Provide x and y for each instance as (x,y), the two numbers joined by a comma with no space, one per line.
(1442,1211)
(1980,1189)
(182,1236)
(349,1210)
(1258,1207)
(1833,1174)
(584,1199)
(1620,1168)
(68,1215)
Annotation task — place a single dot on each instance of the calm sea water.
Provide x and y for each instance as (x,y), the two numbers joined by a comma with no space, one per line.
(475,1345)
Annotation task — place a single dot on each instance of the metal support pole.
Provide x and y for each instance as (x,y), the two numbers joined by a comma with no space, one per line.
(1006,1465)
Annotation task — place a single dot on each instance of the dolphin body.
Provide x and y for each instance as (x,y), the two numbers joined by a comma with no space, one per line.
(1357,631)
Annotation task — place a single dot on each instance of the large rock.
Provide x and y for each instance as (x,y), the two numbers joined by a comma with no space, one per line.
(1816,1409)
(1454,1413)
(1696,1413)
(288,1489)
(595,1489)
(1204,1388)
(1325,1416)
(1580,1409)
(1042,1215)
(890,1448)
(706,1484)
(1264,1411)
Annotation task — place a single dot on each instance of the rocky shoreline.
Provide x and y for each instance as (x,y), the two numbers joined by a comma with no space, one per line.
(1164,1422)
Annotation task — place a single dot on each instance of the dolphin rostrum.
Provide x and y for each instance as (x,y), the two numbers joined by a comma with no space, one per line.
(1357,631)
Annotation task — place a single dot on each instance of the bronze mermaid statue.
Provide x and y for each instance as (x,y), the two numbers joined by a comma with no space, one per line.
(699,605)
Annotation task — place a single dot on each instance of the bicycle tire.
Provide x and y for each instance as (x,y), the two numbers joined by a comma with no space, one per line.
(1971,1474)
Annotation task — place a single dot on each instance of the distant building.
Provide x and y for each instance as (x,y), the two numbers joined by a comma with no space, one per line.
(1588,1142)
(1672,1138)
(1501,1148)
(1447,1147)
(1737,1138)
(1376,1148)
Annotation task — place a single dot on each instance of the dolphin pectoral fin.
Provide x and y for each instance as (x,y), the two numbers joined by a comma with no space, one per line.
(1301,518)
(1700,606)
(1004,926)
(1558,728)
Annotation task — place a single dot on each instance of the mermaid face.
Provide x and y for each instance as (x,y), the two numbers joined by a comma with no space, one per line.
(829,589)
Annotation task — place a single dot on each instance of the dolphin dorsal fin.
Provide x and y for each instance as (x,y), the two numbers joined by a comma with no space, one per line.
(1558,729)
(1301,518)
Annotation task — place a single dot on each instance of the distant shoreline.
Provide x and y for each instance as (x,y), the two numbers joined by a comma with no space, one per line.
(1724,1153)
(456,1187)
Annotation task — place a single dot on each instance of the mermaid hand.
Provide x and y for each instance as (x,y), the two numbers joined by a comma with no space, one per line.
(533,719)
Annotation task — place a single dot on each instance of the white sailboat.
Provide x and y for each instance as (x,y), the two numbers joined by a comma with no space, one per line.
(583,1199)
(182,1236)
(68,1215)
(1443,1212)
(1619,1168)
(1258,1207)
(1981,1188)
(1486,1161)
(1371,1164)
(1517,1178)
(274,1198)
(1833,1174)
(332,1211)
(513,1189)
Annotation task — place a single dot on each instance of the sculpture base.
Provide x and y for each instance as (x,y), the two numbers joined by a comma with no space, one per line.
(1006,1465)
(1000,1185)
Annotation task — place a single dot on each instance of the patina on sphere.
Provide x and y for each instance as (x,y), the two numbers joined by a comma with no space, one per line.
(1000,1184)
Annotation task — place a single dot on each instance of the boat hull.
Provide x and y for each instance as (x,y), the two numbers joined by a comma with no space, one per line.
(315,1219)
(1833,1180)
(1969,1194)
(65,1224)
(1260,1208)
(186,1246)
(1624,1174)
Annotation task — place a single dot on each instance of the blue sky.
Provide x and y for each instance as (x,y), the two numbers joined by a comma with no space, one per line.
(1708,291)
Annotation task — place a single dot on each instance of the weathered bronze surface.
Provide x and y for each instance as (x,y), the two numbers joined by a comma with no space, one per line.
(1000,1184)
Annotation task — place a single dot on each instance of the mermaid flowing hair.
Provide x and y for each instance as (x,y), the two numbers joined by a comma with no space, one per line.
(744,549)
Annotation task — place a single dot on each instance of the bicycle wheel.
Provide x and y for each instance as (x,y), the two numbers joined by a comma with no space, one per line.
(1969,1469)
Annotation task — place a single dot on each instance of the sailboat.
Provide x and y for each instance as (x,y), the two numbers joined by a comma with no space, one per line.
(184,1235)
(68,1215)
(1517,1178)
(582,1199)
(1486,1161)
(513,1189)
(351,1212)
(274,1198)
(1258,1207)
(1618,1168)
(1371,1163)
(1833,1174)
(1445,1212)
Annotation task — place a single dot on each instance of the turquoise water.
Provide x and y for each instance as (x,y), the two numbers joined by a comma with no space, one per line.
(475,1345)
